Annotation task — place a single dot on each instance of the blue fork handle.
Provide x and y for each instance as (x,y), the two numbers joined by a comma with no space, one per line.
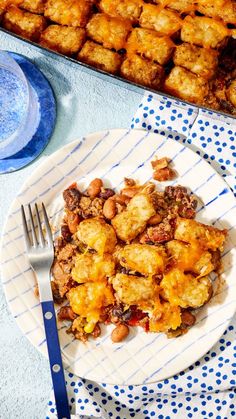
(56,367)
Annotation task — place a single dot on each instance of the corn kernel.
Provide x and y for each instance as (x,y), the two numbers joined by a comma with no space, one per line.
(89,327)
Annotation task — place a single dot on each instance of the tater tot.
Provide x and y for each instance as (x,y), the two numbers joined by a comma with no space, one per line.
(190,258)
(6,3)
(100,57)
(63,39)
(223,9)
(111,32)
(185,290)
(186,85)
(133,220)
(207,237)
(149,45)
(165,22)
(135,290)
(25,24)
(92,267)
(68,12)
(199,60)
(141,71)
(127,9)
(97,235)
(182,6)
(143,258)
(36,6)
(204,31)
(231,92)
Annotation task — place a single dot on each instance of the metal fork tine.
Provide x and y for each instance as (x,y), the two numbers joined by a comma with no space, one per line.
(47,225)
(41,236)
(25,228)
(34,237)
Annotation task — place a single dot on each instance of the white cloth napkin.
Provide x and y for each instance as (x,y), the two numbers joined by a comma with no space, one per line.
(206,389)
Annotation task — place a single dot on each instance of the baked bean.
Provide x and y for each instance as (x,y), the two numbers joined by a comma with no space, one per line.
(94,187)
(121,199)
(109,208)
(155,219)
(130,192)
(119,333)
(73,221)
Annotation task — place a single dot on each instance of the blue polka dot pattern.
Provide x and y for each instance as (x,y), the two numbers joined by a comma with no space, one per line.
(202,129)
(206,389)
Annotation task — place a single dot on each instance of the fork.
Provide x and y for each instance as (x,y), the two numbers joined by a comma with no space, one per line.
(40,252)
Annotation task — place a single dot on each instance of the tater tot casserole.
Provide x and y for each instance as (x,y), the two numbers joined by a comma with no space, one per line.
(183,48)
(134,257)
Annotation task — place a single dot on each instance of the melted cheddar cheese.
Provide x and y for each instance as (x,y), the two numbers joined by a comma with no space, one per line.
(185,290)
(92,267)
(97,235)
(143,258)
(88,300)
(190,258)
(205,236)
(164,317)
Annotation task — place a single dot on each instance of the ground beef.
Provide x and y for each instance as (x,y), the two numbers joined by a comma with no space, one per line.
(66,313)
(65,232)
(72,198)
(89,207)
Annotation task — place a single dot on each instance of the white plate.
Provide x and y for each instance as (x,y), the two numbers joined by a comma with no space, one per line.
(111,155)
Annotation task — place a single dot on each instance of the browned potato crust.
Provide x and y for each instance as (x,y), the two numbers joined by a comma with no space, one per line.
(164,21)
(183,6)
(142,71)
(131,289)
(223,9)
(127,9)
(111,32)
(6,3)
(149,45)
(25,24)
(100,57)
(204,31)
(208,237)
(35,6)
(186,85)
(199,60)
(68,12)
(185,290)
(143,258)
(63,39)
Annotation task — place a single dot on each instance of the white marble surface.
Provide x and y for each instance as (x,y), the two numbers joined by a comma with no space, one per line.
(84,104)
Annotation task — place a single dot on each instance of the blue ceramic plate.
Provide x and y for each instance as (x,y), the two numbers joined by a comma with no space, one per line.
(47,106)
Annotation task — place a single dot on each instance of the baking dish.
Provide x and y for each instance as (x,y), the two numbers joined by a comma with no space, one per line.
(115,79)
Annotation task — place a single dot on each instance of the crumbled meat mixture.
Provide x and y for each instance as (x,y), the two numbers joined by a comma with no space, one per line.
(65,233)
(91,207)
(161,170)
(66,252)
(106,193)
(161,233)
(72,198)
(66,313)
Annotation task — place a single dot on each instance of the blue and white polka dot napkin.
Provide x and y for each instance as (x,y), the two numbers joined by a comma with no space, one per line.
(206,389)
